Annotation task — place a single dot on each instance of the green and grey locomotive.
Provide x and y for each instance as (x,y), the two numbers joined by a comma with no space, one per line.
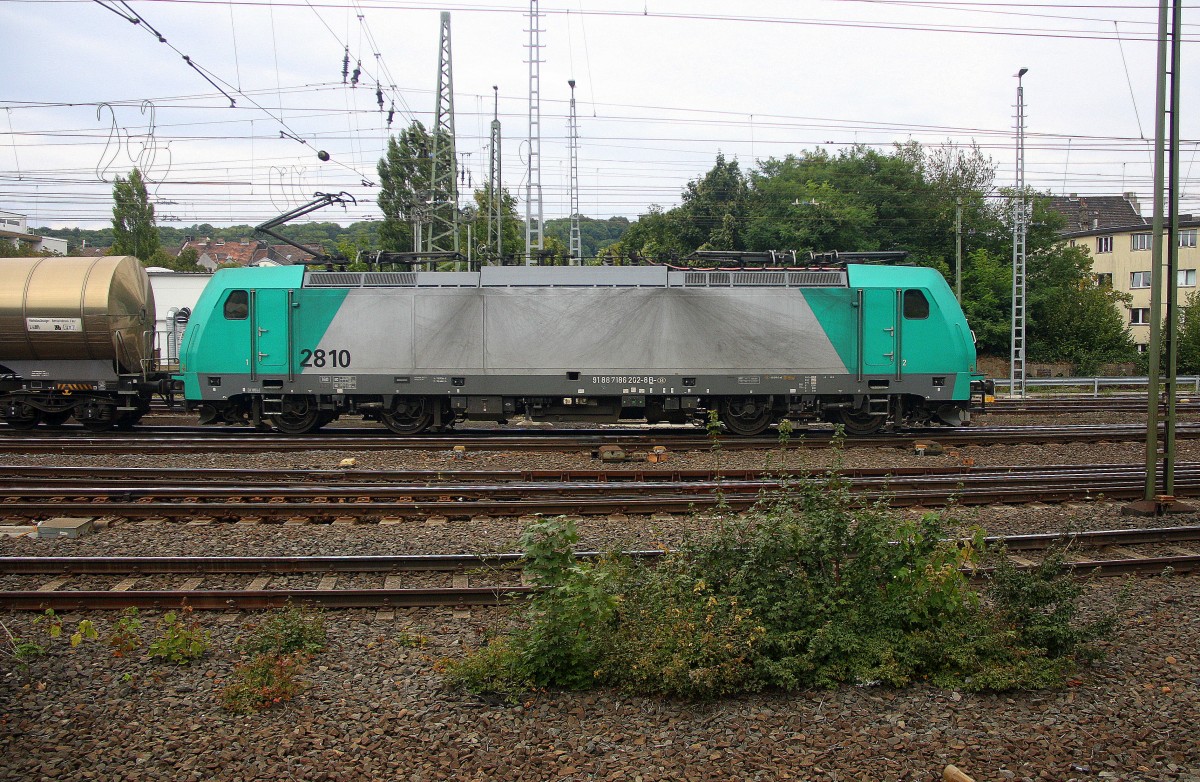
(862,345)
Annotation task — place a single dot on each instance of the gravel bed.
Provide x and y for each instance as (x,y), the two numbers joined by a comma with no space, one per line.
(376,708)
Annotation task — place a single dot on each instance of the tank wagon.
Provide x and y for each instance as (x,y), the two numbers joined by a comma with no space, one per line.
(861,345)
(76,339)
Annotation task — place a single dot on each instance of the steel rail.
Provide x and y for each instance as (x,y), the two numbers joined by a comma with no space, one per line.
(398,563)
(147,441)
(246,600)
(351,479)
(462,500)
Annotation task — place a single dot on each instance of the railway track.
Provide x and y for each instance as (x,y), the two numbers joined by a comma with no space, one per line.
(120,582)
(38,493)
(1049,405)
(243,440)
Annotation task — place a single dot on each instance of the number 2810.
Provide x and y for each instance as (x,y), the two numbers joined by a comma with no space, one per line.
(322,358)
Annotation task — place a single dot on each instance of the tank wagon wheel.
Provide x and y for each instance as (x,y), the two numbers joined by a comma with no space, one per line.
(746,416)
(56,419)
(408,416)
(857,423)
(299,415)
(102,416)
(26,417)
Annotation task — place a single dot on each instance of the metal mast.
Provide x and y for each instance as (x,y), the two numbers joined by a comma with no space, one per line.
(1162,448)
(443,179)
(533,182)
(576,242)
(495,238)
(1020,217)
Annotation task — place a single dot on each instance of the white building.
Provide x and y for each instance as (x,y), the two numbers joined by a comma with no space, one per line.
(15,227)
(174,292)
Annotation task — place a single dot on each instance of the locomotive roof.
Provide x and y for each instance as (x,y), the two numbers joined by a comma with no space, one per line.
(585,277)
(858,275)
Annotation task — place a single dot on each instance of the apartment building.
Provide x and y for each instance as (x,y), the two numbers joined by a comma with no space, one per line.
(1119,240)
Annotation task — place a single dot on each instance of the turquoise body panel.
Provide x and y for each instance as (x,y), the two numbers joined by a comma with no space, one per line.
(940,343)
(213,344)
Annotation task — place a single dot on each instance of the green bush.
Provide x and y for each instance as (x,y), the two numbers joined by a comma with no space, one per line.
(182,639)
(287,631)
(812,588)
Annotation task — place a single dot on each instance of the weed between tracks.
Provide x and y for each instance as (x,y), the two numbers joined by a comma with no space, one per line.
(811,588)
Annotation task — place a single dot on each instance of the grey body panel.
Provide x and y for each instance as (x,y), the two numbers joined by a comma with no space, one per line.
(549,331)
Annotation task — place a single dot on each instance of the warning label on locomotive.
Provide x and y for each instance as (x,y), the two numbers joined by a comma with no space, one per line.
(54,324)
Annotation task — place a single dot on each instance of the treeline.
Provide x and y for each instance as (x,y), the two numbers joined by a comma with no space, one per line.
(595,234)
(862,199)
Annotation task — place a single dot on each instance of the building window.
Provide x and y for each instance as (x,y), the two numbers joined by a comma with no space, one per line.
(1104,281)
(1187,278)
(1103,244)
(1139,242)
(1142,348)
(1139,316)
(1139,279)
(1187,238)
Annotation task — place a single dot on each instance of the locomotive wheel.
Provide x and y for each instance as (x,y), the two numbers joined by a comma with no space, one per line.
(408,416)
(300,415)
(746,416)
(857,423)
(26,417)
(56,419)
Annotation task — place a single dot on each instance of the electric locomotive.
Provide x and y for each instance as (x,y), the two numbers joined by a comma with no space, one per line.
(866,346)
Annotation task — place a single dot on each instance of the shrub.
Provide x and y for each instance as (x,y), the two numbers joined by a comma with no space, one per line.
(812,588)
(124,638)
(182,639)
(287,631)
(262,682)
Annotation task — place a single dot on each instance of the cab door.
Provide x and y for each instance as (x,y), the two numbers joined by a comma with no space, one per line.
(270,316)
(877,328)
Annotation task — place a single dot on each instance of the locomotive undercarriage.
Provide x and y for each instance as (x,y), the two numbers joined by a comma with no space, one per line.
(747,416)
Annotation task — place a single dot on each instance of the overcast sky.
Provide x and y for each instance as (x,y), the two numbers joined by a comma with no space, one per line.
(663,86)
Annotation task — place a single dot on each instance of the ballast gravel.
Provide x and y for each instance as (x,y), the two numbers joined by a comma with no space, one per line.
(375,707)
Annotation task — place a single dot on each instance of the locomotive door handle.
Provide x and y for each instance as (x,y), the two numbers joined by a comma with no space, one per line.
(885,355)
(889,330)
(262,331)
(261,356)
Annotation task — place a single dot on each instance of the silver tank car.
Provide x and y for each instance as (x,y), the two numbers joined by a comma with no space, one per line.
(76,337)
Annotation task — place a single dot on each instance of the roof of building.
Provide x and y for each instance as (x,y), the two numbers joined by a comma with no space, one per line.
(1097,213)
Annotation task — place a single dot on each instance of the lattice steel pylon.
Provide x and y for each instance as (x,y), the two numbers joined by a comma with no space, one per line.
(495,205)
(573,146)
(1020,219)
(533,180)
(442,227)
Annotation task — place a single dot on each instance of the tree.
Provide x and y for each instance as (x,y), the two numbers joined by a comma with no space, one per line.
(404,186)
(512,227)
(713,212)
(134,232)
(1188,336)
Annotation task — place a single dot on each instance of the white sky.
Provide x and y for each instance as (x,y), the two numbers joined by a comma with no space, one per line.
(663,86)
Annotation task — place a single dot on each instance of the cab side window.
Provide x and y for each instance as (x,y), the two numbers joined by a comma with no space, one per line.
(916,306)
(237,305)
